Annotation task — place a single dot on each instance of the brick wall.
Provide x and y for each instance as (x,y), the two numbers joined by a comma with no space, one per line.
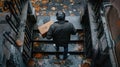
(116,4)
(114,22)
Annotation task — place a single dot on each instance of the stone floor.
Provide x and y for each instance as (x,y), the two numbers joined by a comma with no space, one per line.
(74,8)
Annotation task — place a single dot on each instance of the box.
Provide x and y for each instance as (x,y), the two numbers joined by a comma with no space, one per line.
(43,29)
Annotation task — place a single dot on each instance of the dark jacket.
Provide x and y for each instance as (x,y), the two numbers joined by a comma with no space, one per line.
(60,31)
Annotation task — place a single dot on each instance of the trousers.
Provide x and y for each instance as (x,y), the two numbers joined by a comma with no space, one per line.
(64,53)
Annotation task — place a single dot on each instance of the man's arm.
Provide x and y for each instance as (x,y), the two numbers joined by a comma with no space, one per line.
(74,31)
(50,32)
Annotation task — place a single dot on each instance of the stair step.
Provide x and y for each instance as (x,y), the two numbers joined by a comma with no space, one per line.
(53,53)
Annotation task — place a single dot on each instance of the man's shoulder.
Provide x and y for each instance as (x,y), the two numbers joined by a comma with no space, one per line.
(66,21)
(57,22)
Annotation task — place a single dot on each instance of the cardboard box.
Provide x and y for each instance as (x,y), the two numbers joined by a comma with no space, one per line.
(43,29)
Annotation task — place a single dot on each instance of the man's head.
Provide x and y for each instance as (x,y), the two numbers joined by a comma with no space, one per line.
(60,15)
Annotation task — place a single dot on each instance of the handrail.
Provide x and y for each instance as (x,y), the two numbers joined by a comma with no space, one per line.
(10,39)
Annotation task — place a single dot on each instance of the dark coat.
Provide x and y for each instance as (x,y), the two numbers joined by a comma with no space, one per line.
(60,31)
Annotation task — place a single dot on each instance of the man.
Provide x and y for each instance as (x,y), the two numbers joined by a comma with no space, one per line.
(60,31)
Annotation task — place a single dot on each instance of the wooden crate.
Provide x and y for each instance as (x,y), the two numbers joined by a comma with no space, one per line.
(44,28)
